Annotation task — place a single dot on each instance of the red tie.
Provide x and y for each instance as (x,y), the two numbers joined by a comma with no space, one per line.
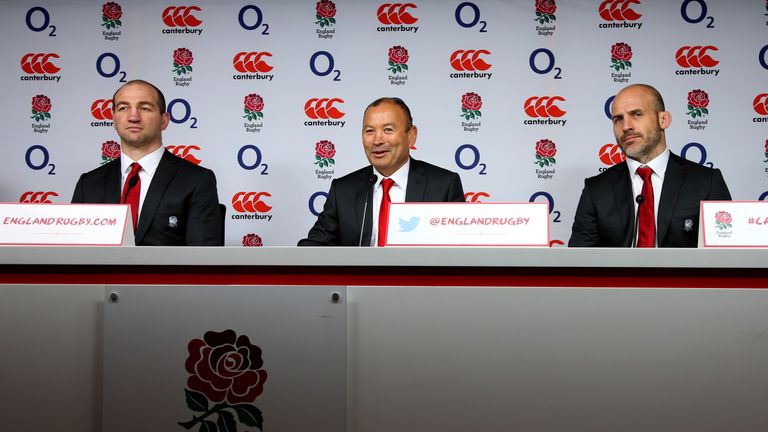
(131,191)
(646,231)
(386,184)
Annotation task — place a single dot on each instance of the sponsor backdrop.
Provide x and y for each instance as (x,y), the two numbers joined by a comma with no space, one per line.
(510,94)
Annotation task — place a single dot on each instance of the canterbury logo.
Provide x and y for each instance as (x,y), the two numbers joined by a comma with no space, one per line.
(761,104)
(323,108)
(395,13)
(472,197)
(469,60)
(185,152)
(618,10)
(181,16)
(39,63)
(696,56)
(611,154)
(250,202)
(37,197)
(101,109)
(251,62)
(543,106)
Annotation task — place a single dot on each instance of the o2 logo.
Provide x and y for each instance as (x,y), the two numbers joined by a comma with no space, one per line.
(325,68)
(311,204)
(32,15)
(474,160)
(183,118)
(249,157)
(702,154)
(761,57)
(111,69)
(607,107)
(251,18)
(551,202)
(763,196)
(473,15)
(685,12)
(550,64)
(38,158)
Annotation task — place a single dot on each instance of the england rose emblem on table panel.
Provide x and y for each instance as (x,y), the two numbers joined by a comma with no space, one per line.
(226,376)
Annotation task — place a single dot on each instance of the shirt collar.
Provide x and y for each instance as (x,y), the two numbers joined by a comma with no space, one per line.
(400,176)
(148,163)
(657,164)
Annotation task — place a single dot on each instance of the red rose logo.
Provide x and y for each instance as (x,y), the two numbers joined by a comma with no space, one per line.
(110,150)
(326,11)
(41,105)
(766,147)
(225,369)
(398,57)
(111,14)
(252,240)
(698,101)
(547,7)
(324,153)
(545,11)
(621,53)
(182,61)
(253,104)
(470,106)
(111,11)
(545,153)
(723,220)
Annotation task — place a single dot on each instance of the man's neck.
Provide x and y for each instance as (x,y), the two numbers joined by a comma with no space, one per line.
(136,153)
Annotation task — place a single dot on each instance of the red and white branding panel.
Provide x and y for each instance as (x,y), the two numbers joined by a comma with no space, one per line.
(734,224)
(468,224)
(65,224)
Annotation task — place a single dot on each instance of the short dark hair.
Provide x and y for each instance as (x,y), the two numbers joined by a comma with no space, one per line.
(160,96)
(397,101)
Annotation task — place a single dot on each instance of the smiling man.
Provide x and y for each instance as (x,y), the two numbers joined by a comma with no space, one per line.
(355,202)
(173,202)
(661,188)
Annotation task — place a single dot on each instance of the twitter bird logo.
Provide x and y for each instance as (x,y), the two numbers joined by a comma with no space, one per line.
(409,225)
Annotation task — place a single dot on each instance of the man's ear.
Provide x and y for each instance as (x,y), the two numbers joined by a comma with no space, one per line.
(665,119)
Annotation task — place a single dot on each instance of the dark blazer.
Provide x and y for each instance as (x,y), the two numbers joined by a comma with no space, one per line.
(342,217)
(179,188)
(605,216)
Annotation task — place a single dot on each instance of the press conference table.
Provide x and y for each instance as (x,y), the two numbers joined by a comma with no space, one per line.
(436,338)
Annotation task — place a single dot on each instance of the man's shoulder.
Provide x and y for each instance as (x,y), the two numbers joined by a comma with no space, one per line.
(430,169)
(691,167)
(610,174)
(356,176)
(104,170)
(183,164)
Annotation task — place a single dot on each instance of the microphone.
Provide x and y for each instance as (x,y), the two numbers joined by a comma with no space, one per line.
(131,183)
(639,200)
(371,181)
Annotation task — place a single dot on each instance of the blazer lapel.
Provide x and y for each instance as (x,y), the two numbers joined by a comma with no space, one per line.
(166,169)
(674,177)
(365,210)
(112,191)
(417,183)
(623,196)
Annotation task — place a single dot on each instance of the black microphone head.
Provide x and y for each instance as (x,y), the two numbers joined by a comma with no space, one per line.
(639,199)
(373,178)
(133,180)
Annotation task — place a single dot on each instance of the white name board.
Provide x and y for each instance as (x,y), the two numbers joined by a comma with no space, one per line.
(733,224)
(65,224)
(468,224)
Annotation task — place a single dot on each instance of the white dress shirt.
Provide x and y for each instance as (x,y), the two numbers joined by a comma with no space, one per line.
(149,165)
(396,194)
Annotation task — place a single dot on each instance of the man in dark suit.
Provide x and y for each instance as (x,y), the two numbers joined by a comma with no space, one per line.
(351,213)
(176,202)
(605,216)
